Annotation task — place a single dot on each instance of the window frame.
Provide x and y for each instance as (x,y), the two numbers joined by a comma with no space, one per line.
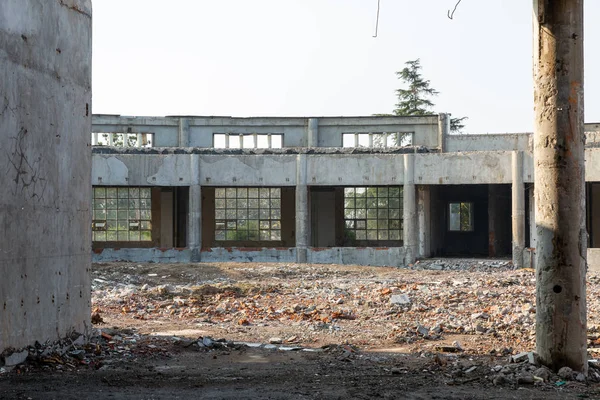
(240,137)
(119,205)
(359,228)
(471,226)
(371,139)
(258,207)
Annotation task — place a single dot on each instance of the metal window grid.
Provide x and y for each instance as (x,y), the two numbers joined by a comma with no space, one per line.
(122,214)
(373,213)
(248,214)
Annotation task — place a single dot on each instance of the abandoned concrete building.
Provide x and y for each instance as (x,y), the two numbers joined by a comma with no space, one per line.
(349,190)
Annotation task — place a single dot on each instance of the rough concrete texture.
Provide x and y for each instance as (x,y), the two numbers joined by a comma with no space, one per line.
(45,124)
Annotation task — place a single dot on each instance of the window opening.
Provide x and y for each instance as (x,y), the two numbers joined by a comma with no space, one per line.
(248,214)
(122,214)
(247,140)
(377,139)
(461,217)
(123,139)
(373,213)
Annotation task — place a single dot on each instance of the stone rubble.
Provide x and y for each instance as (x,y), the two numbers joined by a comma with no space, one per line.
(472,321)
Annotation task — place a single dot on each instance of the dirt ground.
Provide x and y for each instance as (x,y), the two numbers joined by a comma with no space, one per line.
(287,331)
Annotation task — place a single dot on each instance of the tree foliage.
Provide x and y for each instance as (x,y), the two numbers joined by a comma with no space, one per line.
(415,99)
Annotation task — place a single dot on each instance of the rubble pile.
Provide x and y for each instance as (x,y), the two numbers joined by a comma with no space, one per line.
(487,301)
(103,348)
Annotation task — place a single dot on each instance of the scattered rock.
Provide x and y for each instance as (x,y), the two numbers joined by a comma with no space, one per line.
(16,358)
(525,378)
(422,330)
(275,340)
(565,373)
(499,380)
(542,373)
(400,299)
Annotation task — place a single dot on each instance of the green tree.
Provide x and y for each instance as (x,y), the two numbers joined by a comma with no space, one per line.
(415,99)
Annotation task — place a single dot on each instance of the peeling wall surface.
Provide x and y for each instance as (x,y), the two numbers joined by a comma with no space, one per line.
(45,121)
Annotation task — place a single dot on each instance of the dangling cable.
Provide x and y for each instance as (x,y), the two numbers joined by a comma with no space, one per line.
(377,21)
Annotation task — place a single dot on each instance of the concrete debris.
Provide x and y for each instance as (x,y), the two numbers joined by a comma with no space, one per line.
(488,306)
(401,299)
(462,265)
(525,378)
(16,358)
(565,373)
(529,356)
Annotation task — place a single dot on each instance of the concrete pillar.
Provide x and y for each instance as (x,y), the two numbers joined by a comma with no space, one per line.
(313,132)
(45,201)
(184,132)
(194,236)
(492,216)
(424,218)
(443,130)
(518,209)
(411,234)
(302,210)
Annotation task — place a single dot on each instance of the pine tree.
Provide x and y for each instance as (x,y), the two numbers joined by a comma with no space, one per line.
(415,99)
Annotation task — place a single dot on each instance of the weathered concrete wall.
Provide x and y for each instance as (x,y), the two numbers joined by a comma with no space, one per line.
(296,131)
(592,165)
(463,168)
(593,259)
(271,170)
(45,124)
(223,254)
(142,170)
(142,255)
(425,129)
(375,256)
(489,142)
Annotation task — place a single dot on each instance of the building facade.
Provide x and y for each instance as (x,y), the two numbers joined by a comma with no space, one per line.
(350,190)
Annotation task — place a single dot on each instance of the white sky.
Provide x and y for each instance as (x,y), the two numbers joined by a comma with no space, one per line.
(318,58)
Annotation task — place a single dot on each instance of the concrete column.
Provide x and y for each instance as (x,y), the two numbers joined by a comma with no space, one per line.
(313,132)
(302,210)
(518,209)
(443,130)
(194,236)
(45,201)
(424,218)
(411,233)
(492,215)
(184,132)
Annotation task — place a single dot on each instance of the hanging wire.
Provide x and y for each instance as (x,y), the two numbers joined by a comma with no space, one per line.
(451,14)
(377,20)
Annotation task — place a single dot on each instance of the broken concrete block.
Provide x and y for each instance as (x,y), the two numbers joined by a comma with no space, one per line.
(565,373)
(16,358)
(401,299)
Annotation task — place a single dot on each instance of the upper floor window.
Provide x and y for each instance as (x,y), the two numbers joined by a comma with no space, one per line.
(377,139)
(123,139)
(248,141)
